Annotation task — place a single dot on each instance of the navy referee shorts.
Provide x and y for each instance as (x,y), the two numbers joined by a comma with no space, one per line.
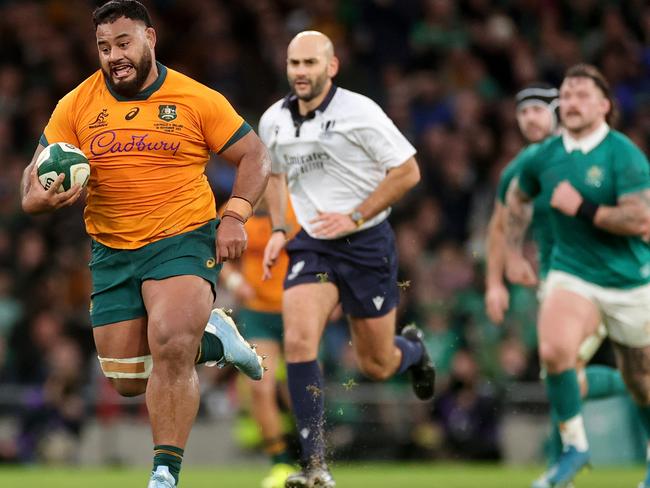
(362,265)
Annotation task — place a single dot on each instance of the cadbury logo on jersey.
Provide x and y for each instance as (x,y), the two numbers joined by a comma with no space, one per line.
(106,142)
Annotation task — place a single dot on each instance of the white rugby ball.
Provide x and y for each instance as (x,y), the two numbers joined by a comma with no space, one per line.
(61,157)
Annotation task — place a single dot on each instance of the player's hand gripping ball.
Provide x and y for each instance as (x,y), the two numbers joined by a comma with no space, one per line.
(65,158)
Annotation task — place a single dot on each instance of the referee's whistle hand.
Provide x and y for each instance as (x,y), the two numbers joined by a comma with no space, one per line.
(329,225)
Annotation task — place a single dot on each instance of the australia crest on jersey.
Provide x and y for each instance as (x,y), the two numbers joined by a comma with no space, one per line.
(595,176)
(167,112)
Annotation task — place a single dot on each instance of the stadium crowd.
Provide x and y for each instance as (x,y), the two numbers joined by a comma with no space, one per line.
(444,71)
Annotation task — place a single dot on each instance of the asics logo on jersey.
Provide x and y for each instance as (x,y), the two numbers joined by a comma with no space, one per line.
(132,113)
(295,269)
(106,142)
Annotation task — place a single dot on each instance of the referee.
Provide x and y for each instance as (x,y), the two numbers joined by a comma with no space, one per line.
(344,163)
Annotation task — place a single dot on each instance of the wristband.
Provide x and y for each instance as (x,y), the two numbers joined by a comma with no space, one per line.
(587,210)
(279,229)
(234,280)
(240,206)
(234,215)
(243,198)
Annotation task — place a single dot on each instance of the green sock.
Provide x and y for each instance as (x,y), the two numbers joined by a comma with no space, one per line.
(603,382)
(554,442)
(564,394)
(170,456)
(644,416)
(277,451)
(210,349)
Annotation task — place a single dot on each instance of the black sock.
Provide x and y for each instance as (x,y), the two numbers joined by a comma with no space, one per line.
(210,349)
(308,402)
(170,456)
(411,353)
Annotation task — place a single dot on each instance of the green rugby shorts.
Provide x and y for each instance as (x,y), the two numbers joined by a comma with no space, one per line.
(117,274)
(260,325)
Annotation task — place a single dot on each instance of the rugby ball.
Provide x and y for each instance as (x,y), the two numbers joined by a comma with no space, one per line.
(65,158)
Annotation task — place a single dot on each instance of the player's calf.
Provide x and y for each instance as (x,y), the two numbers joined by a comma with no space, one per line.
(376,367)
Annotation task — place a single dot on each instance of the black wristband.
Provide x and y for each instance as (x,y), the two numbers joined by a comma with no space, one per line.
(587,210)
(279,229)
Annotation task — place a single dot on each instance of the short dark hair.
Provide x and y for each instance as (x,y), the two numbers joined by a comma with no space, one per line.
(115,9)
(584,70)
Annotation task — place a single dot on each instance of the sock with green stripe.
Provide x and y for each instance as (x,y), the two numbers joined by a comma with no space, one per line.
(603,382)
(210,349)
(170,456)
(277,450)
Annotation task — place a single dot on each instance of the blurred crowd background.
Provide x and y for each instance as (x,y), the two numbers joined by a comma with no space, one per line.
(445,71)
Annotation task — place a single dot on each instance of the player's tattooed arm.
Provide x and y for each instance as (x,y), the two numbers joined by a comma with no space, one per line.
(496,293)
(518,217)
(631,215)
(519,213)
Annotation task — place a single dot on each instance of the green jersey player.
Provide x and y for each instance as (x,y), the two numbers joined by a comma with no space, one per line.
(597,183)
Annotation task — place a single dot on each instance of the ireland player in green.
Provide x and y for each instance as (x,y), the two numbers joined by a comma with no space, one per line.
(597,183)
(537,118)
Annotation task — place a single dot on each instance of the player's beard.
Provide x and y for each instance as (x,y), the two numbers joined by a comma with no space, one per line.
(578,123)
(131,88)
(317,87)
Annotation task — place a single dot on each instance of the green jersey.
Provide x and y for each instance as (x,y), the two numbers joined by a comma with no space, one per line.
(541,225)
(614,167)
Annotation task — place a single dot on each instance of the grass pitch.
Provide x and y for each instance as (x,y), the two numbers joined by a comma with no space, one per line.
(346,475)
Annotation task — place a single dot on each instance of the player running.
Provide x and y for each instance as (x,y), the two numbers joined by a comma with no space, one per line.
(260,322)
(147,131)
(345,163)
(598,184)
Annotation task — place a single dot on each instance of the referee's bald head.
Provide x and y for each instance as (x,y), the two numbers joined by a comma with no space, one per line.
(312,40)
(311,65)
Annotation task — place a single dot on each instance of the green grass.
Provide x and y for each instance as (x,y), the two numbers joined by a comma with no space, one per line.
(347,476)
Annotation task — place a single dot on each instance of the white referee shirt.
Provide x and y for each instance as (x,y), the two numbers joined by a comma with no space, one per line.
(335,156)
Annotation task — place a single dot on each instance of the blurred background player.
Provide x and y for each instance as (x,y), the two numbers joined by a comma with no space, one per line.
(345,163)
(260,321)
(153,261)
(598,184)
(537,117)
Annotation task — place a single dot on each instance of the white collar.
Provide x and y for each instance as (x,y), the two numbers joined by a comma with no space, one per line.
(587,143)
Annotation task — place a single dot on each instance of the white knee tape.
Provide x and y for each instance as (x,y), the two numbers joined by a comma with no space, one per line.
(127,368)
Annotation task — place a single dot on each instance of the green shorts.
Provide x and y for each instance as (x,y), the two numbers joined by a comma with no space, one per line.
(260,325)
(118,274)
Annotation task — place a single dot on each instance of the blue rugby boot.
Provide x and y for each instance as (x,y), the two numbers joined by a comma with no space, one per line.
(161,478)
(561,474)
(236,350)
